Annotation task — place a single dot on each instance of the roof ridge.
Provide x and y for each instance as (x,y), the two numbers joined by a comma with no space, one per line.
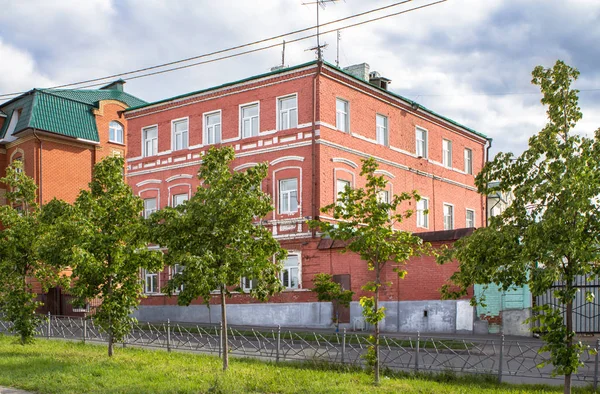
(45,91)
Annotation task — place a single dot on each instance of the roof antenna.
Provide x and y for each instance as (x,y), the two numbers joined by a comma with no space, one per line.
(337,57)
(319,47)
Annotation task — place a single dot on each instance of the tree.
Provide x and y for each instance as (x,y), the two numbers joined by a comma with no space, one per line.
(109,248)
(218,238)
(551,231)
(368,225)
(23,226)
(328,290)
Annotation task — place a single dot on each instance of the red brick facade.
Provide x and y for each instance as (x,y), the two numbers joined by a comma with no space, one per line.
(317,155)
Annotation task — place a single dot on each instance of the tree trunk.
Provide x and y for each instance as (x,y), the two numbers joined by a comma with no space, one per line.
(111,338)
(224,343)
(567,388)
(110,343)
(377,330)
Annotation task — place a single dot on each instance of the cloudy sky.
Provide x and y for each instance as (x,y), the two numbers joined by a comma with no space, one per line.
(470,60)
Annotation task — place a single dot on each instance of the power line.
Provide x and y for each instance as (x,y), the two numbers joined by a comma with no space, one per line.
(217,52)
(493,94)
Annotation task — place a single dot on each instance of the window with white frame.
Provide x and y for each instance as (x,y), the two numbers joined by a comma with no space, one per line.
(247,284)
(115,132)
(179,199)
(382,130)
(287,108)
(383,196)
(180,134)
(249,120)
(470,220)
(177,270)
(212,128)
(150,282)
(341,186)
(448,217)
(342,115)
(421,137)
(150,138)
(288,195)
(289,275)
(468,161)
(447,153)
(423,213)
(149,207)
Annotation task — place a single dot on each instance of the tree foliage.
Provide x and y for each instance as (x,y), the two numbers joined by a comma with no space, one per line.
(24,226)
(218,237)
(368,225)
(551,231)
(104,239)
(330,291)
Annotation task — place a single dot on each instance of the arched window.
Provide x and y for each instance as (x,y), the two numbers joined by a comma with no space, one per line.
(115,132)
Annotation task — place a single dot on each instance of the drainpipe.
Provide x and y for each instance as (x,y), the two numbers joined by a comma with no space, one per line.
(487,159)
(314,147)
(41,168)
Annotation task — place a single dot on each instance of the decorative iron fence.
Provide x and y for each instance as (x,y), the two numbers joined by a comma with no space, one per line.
(496,356)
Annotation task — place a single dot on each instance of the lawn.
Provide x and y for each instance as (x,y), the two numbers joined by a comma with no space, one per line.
(71,367)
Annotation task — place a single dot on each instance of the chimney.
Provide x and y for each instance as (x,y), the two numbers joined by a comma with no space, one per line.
(115,85)
(376,79)
(360,71)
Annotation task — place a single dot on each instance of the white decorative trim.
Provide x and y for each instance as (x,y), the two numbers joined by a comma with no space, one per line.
(180,176)
(286,158)
(240,119)
(275,195)
(303,125)
(384,172)
(244,166)
(345,161)
(148,181)
(277,125)
(170,202)
(157,195)
(330,126)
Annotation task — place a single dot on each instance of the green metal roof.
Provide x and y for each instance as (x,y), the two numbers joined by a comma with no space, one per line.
(314,62)
(66,112)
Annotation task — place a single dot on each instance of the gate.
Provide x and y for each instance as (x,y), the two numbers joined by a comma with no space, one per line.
(586,315)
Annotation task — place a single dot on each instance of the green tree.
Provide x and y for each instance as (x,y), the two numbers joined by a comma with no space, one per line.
(551,231)
(330,291)
(23,226)
(108,249)
(218,238)
(368,224)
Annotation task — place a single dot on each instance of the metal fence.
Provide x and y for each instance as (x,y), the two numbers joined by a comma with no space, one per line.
(496,356)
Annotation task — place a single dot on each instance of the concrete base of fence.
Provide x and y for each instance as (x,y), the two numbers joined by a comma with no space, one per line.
(513,322)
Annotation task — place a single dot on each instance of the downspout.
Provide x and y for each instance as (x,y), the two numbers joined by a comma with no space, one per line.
(314,147)
(41,167)
(484,201)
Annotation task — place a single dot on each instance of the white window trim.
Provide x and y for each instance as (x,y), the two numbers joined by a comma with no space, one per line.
(387,130)
(347,115)
(444,216)
(173,273)
(205,126)
(243,286)
(467,215)
(173,121)
(240,123)
(426,216)
(146,274)
(468,170)
(144,153)
(278,120)
(156,209)
(178,194)
(299,254)
(122,131)
(276,189)
(279,195)
(426,150)
(449,164)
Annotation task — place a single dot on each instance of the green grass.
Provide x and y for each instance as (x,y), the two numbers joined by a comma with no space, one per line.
(72,367)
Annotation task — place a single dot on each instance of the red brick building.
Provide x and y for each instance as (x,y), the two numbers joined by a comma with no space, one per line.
(59,134)
(313,123)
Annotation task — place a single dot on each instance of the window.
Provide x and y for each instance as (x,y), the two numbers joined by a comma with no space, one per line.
(447,153)
(448,217)
(177,269)
(115,132)
(470,218)
(288,112)
(179,199)
(423,213)
(383,196)
(342,120)
(247,284)
(469,161)
(421,137)
(382,130)
(150,282)
(290,271)
(150,141)
(288,195)
(249,120)
(212,128)
(19,169)
(180,134)
(149,207)
(341,186)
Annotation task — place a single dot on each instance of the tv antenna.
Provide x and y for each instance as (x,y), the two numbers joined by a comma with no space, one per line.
(319,48)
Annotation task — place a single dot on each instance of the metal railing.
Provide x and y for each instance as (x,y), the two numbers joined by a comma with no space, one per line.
(495,356)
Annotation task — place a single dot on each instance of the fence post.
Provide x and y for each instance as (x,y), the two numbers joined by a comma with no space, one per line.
(220,337)
(278,343)
(168,335)
(597,360)
(500,364)
(417,349)
(84,329)
(344,346)
(49,325)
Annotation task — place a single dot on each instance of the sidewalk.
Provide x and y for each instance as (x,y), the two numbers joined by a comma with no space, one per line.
(6,390)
